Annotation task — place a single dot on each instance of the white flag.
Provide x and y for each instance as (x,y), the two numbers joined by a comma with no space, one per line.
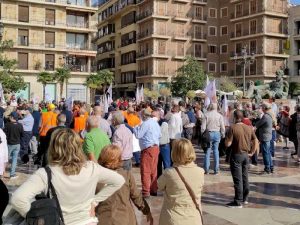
(2,94)
(225,105)
(207,80)
(105,104)
(109,92)
(137,95)
(142,93)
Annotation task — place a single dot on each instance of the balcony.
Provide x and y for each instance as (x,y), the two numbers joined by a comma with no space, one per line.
(79,68)
(80,3)
(128,42)
(142,73)
(260,11)
(199,37)
(76,46)
(198,19)
(23,41)
(77,25)
(144,15)
(199,2)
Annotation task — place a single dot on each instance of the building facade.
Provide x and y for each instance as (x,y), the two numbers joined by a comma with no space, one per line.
(49,34)
(213,31)
(294,31)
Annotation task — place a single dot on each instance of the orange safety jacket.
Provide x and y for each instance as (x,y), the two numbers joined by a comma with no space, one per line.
(49,120)
(79,123)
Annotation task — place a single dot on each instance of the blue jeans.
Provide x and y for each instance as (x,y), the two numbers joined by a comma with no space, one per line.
(164,152)
(215,138)
(137,157)
(265,149)
(13,152)
(272,143)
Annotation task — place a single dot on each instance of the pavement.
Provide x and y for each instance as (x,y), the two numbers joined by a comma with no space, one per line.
(274,199)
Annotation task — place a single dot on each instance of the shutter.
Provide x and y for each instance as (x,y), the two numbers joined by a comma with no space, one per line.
(50,39)
(23,61)
(23,13)
(50,16)
(23,32)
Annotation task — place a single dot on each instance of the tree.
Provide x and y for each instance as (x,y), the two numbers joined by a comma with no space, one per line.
(94,82)
(11,82)
(191,95)
(165,92)
(44,78)
(62,75)
(227,85)
(107,77)
(190,77)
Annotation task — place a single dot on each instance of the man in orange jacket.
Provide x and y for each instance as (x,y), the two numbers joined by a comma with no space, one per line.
(48,121)
(80,121)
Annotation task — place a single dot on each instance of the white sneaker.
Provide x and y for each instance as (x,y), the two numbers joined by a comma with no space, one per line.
(14,177)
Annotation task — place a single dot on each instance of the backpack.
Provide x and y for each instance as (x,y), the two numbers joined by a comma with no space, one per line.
(45,210)
(205,140)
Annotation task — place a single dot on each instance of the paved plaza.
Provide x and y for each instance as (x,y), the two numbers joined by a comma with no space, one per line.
(274,199)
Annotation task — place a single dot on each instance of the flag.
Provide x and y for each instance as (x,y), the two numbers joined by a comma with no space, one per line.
(137,95)
(211,93)
(69,103)
(109,92)
(2,94)
(105,104)
(141,93)
(207,80)
(225,105)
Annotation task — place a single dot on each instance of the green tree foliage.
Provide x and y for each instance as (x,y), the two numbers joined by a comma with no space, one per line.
(11,81)
(190,77)
(44,78)
(227,85)
(62,75)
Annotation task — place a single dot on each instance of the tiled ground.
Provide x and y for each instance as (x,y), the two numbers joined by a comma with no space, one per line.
(274,199)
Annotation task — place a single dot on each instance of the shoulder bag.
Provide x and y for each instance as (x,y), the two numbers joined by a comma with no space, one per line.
(192,194)
(46,209)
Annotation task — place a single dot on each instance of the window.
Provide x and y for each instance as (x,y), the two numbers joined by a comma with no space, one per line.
(50,17)
(253,6)
(238,30)
(180,30)
(212,49)
(239,10)
(106,47)
(161,67)
(238,48)
(23,37)
(198,32)
(76,41)
(224,12)
(77,91)
(198,50)
(253,47)
(23,61)
(212,67)
(77,20)
(49,62)
(224,49)
(162,45)
(212,31)
(128,38)
(213,13)
(128,77)
(253,68)
(128,19)
(223,67)
(49,39)
(252,26)
(128,58)
(198,12)
(224,30)
(180,49)
(23,13)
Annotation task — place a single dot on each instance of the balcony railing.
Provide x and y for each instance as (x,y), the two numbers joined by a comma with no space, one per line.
(144,15)
(68,2)
(23,41)
(79,68)
(80,47)
(200,1)
(145,72)
(259,10)
(128,42)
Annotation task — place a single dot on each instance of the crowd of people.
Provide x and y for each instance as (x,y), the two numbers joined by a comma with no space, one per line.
(91,152)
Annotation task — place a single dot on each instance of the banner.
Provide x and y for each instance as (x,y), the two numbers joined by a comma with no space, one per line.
(109,92)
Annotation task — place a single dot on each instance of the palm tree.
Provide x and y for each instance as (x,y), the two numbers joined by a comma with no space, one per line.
(94,82)
(107,77)
(44,78)
(62,75)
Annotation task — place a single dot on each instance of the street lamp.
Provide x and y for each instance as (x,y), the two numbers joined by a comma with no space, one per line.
(245,60)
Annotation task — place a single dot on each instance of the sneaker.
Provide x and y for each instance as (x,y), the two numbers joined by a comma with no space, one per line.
(206,173)
(272,170)
(265,172)
(13,177)
(216,173)
(153,194)
(245,202)
(234,205)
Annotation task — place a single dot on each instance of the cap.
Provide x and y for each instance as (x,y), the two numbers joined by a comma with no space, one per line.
(51,106)
(14,115)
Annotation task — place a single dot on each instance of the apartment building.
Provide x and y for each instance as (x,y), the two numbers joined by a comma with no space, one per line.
(294,31)
(48,34)
(213,31)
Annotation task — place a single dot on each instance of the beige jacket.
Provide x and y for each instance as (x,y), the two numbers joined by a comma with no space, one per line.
(178,207)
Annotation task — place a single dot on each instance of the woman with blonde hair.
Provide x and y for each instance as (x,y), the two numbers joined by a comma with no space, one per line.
(117,209)
(182,187)
(74,180)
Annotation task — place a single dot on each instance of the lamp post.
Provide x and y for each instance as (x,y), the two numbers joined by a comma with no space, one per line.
(244,60)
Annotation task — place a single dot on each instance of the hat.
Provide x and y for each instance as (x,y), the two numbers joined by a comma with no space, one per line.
(51,106)
(131,110)
(14,115)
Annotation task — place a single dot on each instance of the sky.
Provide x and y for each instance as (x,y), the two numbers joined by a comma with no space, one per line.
(295,1)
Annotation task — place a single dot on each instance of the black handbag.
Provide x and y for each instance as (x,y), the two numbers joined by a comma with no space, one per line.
(205,140)
(46,209)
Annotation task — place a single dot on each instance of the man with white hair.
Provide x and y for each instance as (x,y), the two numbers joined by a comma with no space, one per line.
(95,139)
(123,137)
(213,122)
(102,123)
